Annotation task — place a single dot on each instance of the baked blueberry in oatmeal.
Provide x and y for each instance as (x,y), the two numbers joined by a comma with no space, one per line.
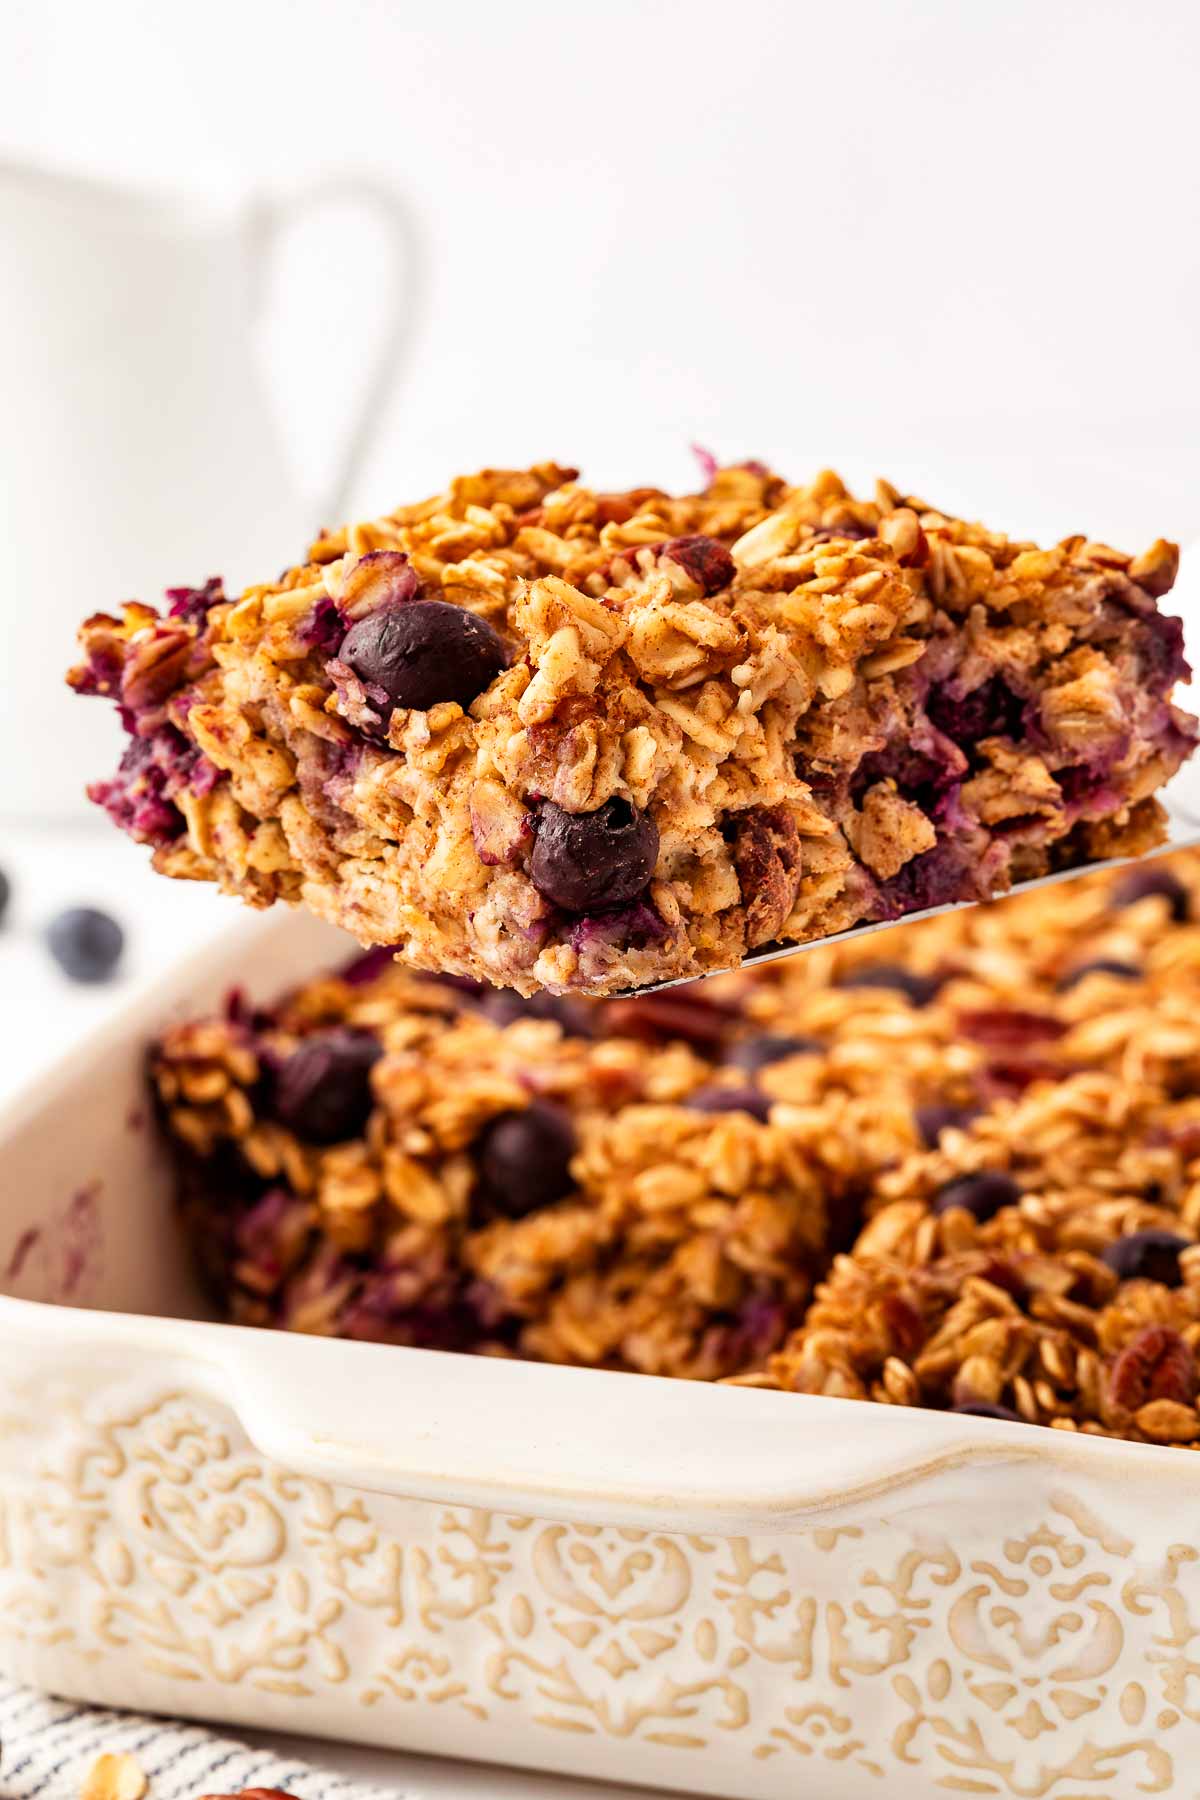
(978,1190)
(550,738)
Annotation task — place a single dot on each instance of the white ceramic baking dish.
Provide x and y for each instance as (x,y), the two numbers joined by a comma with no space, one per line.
(716,1590)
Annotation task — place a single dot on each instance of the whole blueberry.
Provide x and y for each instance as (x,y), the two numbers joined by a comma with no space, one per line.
(503,1007)
(1151,1255)
(1100,965)
(919,989)
(987,1409)
(982,1194)
(754,1053)
(423,652)
(1153,879)
(85,943)
(592,862)
(524,1158)
(718,1099)
(323,1090)
(938,1116)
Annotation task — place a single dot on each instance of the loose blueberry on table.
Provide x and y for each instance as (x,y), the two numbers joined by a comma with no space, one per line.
(85,943)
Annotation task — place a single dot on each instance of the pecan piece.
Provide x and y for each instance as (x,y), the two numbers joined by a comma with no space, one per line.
(704,560)
(905,1326)
(678,1013)
(1155,1365)
(766,855)
(1009,1027)
(114,1776)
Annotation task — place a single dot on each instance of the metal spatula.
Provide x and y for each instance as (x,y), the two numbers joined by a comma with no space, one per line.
(1181,797)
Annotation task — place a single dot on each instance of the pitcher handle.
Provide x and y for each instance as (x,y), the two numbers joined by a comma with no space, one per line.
(271,218)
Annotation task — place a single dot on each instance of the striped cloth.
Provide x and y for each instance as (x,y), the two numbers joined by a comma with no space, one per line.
(49,1746)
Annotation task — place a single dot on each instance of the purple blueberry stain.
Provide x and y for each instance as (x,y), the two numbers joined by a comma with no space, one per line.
(629,927)
(990,710)
(22,1250)
(155,768)
(272,1231)
(324,629)
(924,764)
(938,877)
(192,605)
(80,1237)
(1158,643)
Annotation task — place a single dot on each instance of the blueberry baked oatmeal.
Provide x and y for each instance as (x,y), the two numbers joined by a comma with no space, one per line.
(965,1177)
(581,742)
(387,1157)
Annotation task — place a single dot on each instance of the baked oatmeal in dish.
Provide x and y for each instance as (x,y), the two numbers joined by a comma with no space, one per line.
(965,1177)
(562,740)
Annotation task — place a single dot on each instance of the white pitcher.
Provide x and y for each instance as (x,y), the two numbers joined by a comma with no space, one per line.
(138,445)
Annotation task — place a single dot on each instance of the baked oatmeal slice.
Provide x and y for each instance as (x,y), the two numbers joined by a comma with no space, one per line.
(387,1157)
(553,738)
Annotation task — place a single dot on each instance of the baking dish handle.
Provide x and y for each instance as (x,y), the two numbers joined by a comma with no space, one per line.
(570,1444)
(581,1444)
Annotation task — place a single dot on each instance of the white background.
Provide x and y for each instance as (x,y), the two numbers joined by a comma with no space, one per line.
(909,234)
(956,241)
